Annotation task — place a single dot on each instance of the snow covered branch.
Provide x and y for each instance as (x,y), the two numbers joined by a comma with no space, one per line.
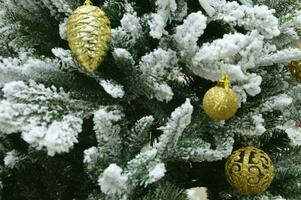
(258,18)
(174,128)
(147,167)
(200,151)
(38,113)
(158,67)
(189,32)
(160,19)
(106,127)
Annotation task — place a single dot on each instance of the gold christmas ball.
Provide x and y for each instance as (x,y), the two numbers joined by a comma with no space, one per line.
(220,102)
(89,35)
(295,69)
(249,170)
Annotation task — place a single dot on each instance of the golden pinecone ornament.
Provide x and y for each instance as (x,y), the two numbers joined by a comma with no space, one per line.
(249,170)
(220,102)
(89,35)
(295,69)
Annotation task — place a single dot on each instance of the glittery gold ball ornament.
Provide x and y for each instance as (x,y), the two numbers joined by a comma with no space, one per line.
(89,35)
(249,170)
(220,102)
(295,69)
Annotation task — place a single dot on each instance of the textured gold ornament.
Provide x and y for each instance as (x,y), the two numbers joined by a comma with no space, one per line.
(295,69)
(220,102)
(249,170)
(89,35)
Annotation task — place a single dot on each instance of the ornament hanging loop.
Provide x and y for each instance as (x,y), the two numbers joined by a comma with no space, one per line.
(224,82)
(88,3)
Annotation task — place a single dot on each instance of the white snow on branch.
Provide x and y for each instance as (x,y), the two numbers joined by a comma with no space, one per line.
(159,20)
(104,120)
(123,56)
(253,128)
(280,57)
(293,131)
(58,137)
(252,87)
(14,114)
(140,170)
(147,167)
(197,193)
(105,123)
(256,17)
(67,60)
(174,128)
(158,67)
(200,151)
(63,29)
(258,121)
(130,30)
(298,18)
(207,7)
(160,64)
(131,24)
(120,38)
(142,124)
(181,12)
(158,24)
(20,6)
(58,6)
(38,113)
(163,91)
(10,159)
(234,54)
(189,32)
(246,2)
(290,27)
(90,154)
(112,181)
(63,54)
(222,55)
(279,102)
(270,197)
(115,90)
(294,135)
(156,173)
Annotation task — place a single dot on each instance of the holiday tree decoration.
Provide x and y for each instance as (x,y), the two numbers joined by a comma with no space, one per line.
(89,35)
(295,66)
(220,102)
(295,69)
(249,170)
(136,129)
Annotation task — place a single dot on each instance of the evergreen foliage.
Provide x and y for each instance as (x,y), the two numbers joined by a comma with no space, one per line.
(135,129)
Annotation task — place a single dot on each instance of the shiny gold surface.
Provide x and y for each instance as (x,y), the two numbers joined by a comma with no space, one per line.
(220,102)
(249,170)
(295,69)
(89,35)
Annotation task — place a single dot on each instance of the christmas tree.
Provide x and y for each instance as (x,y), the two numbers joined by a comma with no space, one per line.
(185,100)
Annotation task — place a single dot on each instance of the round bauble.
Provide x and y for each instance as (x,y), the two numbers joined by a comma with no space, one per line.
(89,35)
(249,170)
(220,102)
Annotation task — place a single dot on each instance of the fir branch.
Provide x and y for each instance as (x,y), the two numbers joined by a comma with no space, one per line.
(282,7)
(140,135)
(165,191)
(107,132)
(174,128)
(38,111)
(289,176)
